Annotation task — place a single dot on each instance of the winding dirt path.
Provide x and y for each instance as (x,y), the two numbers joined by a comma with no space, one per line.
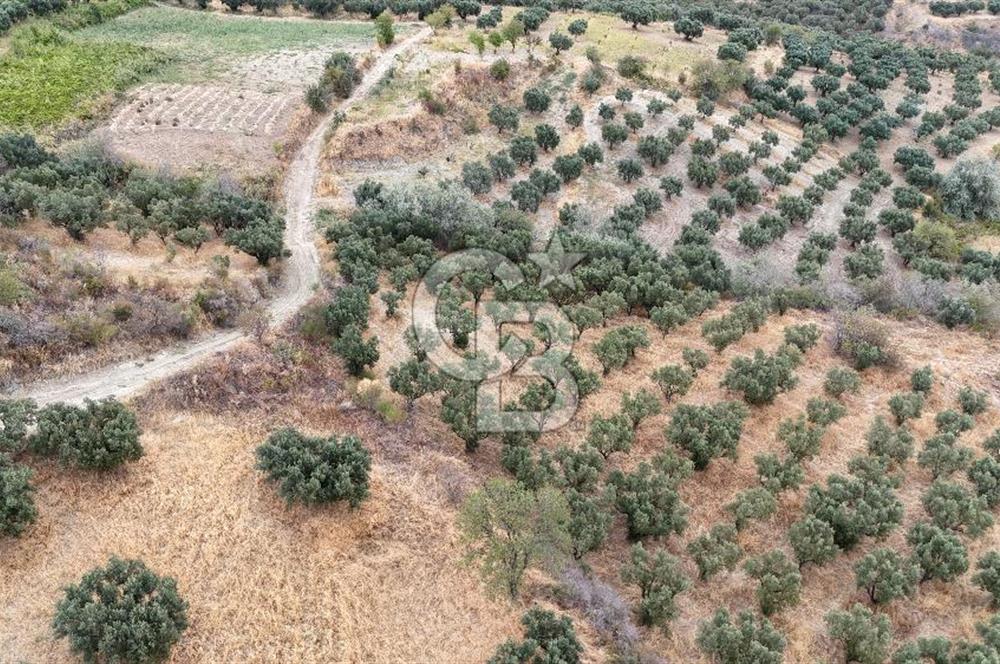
(299,279)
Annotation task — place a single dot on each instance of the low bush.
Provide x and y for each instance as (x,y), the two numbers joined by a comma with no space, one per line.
(316,469)
(96,436)
(122,612)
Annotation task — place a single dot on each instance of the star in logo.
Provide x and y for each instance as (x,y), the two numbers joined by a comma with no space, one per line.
(556,263)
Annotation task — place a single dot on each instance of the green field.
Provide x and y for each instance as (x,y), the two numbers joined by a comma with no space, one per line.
(49,76)
(203,43)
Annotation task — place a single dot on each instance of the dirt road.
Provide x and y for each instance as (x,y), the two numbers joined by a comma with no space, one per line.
(300,272)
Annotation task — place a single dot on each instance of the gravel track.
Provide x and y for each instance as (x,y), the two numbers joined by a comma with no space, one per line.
(301,271)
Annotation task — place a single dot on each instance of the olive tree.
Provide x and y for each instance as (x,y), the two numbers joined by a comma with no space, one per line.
(122,612)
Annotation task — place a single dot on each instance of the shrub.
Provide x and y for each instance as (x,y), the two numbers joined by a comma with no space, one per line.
(694,358)
(673,380)
(971,190)
(649,500)
(122,612)
(17,505)
(884,575)
(357,352)
(988,575)
(973,401)
(950,506)
(760,378)
(955,311)
(856,506)
(906,406)
(824,412)
(536,100)
(16,416)
(660,579)
(938,553)
(316,469)
(96,436)
(756,503)
(747,639)
(801,438)
(812,540)
(707,432)
(895,445)
(547,638)
(779,578)
(841,380)
(864,636)
(776,475)
(863,340)
(922,380)
(715,550)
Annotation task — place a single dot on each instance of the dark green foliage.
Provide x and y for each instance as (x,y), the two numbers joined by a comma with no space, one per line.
(546,136)
(16,416)
(660,579)
(841,380)
(776,475)
(985,476)
(504,118)
(855,507)
(413,379)
(547,638)
(938,553)
(357,352)
(745,640)
(536,100)
(673,380)
(762,377)
(922,380)
(695,359)
(574,118)
(802,438)
(987,574)
(315,469)
(629,170)
(953,422)
(756,503)
(639,406)
(715,550)
(973,401)
(865,262)
(589,522)
(96,436)
(884,575)
(648,498)
(942,456)
(812,540)
(824,412)
(893,444)
(906,406)
(950,506)
(477,177)
(707,432)
(614,134)
(865,637)
(779,579)
(122,612)
(17,505)
(618,346)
